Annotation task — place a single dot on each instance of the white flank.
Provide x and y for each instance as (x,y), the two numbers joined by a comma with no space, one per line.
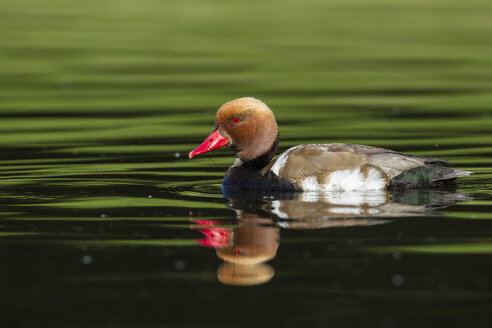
(310,184)
(375,180)
(354,180)
(280,161)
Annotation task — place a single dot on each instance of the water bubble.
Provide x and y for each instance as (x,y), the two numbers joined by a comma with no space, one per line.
(398,280)
(396,256)
(179,265)
(103,216)
(177,155)
(150,196)
(87,259)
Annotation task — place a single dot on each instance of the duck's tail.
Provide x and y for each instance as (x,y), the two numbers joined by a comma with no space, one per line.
(430,175)
(451,174)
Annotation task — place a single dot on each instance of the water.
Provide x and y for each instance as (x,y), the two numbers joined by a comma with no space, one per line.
(105,222)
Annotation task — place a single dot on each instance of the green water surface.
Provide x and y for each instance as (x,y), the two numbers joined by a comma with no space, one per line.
(102,216)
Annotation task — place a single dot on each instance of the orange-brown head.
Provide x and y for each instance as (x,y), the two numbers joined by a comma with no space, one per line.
(246,125)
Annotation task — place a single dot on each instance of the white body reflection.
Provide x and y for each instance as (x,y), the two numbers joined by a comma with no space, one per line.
(246,248)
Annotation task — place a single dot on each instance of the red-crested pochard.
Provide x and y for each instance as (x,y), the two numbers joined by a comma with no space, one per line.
(248,126)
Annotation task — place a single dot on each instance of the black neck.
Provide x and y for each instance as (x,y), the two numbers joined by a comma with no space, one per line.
(260,162)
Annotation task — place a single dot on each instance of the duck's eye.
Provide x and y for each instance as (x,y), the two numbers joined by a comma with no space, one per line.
(236,120)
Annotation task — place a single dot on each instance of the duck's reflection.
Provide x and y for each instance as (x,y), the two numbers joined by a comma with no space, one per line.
(246,248)
(253,242)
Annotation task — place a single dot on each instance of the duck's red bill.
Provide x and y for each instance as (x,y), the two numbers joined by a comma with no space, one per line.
(214,141)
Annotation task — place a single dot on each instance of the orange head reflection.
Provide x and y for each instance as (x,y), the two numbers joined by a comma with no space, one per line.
(245,248)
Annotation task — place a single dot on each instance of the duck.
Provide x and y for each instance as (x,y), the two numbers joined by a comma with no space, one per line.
(248,126)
